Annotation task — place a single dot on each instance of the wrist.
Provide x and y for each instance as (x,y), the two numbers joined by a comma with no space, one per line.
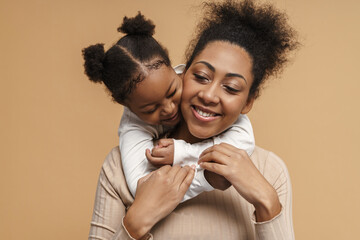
(136,224)
(216,181)
(268,206)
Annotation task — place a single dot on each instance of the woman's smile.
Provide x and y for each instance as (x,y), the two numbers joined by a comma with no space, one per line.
(216,89)
(203,114)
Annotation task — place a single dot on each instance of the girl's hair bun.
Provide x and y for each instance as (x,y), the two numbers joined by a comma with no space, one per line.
(94,56)
(137,25)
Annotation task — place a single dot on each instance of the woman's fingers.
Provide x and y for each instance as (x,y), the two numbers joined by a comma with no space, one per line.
(145,178)
(182,173)
(214,167)
(222,147)
(214,156)
(164,169)
(184,186)
(174,171)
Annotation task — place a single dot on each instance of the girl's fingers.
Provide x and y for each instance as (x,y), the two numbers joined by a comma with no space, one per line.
(164,142)
(151,158)
(159,152)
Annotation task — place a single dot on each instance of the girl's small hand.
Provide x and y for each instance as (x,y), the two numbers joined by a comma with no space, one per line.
(157,195)
(162,153)
(236,166)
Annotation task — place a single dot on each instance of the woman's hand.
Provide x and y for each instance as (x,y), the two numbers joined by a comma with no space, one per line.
(236,166)
(157,195)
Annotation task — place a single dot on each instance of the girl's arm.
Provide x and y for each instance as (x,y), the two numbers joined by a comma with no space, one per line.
(135,138)
(240,135)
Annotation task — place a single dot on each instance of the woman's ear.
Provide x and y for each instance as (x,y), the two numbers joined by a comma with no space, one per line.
(248,105)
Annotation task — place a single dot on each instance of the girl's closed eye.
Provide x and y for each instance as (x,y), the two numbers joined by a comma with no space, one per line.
(172,94)
(151,110)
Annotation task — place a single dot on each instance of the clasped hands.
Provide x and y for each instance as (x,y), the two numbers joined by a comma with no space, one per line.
(226,165)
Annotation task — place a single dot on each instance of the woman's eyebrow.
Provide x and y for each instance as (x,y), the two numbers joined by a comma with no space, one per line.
(211,67)
(236,75)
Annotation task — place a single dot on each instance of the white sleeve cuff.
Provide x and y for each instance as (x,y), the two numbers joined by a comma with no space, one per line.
(204,183)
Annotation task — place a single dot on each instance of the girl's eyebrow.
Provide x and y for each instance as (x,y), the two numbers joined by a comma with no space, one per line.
(212,68)
(167,93)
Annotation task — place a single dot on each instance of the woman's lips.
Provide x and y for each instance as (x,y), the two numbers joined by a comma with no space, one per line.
(204,115)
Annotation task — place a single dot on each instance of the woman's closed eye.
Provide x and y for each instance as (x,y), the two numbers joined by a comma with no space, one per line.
(200,78)
(231,89)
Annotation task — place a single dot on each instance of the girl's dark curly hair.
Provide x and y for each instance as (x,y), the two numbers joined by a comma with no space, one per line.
(127,62)
(261,30)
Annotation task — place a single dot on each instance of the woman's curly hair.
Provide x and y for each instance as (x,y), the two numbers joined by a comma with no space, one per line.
(126,63)
(261,30)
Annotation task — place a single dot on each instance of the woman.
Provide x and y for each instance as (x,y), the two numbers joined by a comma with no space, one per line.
(239,45)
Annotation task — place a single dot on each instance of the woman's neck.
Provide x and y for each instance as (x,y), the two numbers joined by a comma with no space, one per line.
(182,132)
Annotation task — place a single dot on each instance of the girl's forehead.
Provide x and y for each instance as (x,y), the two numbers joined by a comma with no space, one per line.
(155,86)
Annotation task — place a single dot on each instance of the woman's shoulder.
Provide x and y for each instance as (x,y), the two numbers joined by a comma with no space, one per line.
(270,165)
(113,172)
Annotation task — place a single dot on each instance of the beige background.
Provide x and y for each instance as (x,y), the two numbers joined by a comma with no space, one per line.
(57,127)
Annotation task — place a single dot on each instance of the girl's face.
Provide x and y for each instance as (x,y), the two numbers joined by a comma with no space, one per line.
(216,89)
(156,99)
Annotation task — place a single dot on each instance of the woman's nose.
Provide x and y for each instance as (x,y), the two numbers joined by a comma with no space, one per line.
(209,94)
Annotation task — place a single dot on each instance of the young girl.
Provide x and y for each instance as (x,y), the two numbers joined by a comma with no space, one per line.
(137,71)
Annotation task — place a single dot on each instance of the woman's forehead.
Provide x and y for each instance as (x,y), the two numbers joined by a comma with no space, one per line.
(226,57)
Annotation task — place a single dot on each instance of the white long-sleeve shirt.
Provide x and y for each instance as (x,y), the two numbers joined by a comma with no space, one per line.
(136,136)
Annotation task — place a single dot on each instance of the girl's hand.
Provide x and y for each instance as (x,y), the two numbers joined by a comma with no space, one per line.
(236,166)
(157,195)
(162,153)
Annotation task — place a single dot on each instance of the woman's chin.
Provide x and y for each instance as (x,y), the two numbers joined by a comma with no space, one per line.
(201,133)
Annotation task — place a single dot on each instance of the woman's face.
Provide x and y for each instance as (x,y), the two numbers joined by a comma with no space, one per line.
(216,89)
(156,99)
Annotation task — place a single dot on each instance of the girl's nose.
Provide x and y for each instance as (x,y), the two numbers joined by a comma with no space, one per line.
(168,107)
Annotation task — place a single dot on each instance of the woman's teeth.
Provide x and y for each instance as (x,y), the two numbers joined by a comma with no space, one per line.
(204,114)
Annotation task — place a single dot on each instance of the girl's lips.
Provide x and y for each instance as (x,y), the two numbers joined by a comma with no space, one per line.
(172,118)
(212,116)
